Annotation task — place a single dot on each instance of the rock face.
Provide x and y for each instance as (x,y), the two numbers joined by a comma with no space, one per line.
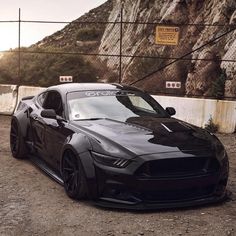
(230,68)
(200,22)
(68,37)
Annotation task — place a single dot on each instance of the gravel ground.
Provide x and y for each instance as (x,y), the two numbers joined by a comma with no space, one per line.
(33,204)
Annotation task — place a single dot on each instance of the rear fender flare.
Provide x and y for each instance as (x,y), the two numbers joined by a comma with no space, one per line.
(23,122)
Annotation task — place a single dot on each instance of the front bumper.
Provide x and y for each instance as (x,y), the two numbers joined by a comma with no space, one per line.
(159,205)
(125,189)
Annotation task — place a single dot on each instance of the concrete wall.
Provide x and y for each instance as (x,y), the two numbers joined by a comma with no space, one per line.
(9,96)
(199,111)
(28,91)
(8,99)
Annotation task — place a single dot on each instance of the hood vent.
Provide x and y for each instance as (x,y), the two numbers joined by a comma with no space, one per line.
(175,127)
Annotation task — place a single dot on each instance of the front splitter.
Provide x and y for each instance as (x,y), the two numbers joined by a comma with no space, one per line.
(141,206)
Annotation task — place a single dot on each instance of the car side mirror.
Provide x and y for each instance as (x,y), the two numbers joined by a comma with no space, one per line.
(171,111)
(49,113)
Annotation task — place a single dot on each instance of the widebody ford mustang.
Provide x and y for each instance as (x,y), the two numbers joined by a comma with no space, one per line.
(117,146)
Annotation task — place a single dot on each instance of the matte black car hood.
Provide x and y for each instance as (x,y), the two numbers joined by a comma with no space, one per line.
(147,135)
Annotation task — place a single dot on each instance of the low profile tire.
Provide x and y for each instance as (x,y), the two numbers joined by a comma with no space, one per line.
(73,176)
(17,144)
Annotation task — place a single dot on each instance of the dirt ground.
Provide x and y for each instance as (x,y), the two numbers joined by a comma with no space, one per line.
(33,204)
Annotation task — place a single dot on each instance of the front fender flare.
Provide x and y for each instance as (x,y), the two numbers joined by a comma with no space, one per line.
(79,144)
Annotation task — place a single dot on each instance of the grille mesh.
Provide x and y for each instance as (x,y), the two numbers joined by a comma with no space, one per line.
(179,167)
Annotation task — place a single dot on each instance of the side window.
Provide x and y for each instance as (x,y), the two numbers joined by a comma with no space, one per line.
(41,98)
(54,101)
(141,103)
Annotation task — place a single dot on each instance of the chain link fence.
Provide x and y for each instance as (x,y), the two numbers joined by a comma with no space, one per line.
(201,64)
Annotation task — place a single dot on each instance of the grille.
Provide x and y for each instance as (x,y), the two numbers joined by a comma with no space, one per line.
(179,167)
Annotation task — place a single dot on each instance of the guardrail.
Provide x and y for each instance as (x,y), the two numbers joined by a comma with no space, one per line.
(192,110)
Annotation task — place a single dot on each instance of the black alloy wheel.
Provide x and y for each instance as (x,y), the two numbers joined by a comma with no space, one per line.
(17,144)
(73,176)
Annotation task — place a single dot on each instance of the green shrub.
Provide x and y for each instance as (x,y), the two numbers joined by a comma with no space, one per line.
(218,86)
(88,34)
(44,69)
(211,126)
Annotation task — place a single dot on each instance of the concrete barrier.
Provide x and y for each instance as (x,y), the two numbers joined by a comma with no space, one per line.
(25,91)
(199,111)
(8,98)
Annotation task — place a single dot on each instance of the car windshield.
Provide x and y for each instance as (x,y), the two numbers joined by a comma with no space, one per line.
(114,104)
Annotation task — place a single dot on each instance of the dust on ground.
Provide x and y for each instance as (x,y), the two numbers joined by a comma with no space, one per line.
(33,204)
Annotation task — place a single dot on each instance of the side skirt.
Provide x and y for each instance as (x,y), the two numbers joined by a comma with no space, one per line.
(42,165)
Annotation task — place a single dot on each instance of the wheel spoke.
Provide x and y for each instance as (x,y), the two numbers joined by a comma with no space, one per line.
(74,184)
(68,186)
(76,180)
(69,177)
(70,182)
(69,162)
(68,169)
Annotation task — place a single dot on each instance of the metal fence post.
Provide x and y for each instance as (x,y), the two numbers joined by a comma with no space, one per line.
(19,48)
(121,41)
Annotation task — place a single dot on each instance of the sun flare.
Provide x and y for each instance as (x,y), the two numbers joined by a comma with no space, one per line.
(9,36)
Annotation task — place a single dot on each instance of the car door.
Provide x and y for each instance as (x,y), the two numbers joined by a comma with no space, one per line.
(55,135)
(56,131)
(38,126)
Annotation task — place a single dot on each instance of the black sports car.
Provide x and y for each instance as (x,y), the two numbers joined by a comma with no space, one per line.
(116,145)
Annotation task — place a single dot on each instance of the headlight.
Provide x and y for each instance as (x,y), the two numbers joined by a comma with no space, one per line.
(110,161)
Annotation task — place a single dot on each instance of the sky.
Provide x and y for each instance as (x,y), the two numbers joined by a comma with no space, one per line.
(46,10)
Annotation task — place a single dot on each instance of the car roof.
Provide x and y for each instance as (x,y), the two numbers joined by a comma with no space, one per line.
(73,87)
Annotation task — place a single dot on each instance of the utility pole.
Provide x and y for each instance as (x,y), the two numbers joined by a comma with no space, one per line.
(121,40)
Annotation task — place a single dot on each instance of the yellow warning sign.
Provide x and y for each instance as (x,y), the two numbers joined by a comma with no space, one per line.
(167,35)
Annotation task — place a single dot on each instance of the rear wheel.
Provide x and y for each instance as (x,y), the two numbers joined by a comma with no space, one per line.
(17,144)
(73,176)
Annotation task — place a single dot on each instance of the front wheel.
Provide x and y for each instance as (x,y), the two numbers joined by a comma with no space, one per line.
(17,144)
(73,176)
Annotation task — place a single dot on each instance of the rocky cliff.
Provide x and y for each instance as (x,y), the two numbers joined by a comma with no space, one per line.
(73,35)
(199,22)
